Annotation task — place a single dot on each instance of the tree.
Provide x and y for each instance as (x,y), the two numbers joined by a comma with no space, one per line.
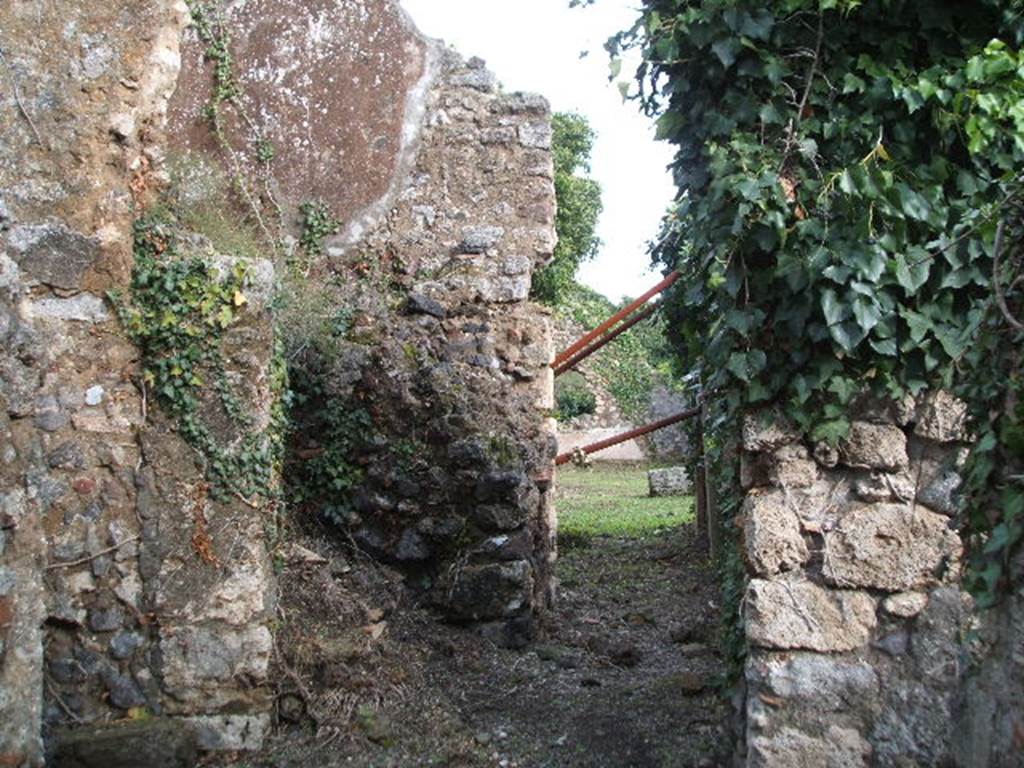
(579,206)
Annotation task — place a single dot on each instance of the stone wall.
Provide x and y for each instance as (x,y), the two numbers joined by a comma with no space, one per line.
(128,587)
(853,611)
(450,360)
(989,718)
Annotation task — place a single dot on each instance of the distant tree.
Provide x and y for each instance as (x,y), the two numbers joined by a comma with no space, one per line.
(579,205)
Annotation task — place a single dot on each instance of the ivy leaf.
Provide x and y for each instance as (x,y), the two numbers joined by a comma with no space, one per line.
(831,431)
(913,203)
(834,309)
(746,365)
(726,50)
(867,313)
(913,269)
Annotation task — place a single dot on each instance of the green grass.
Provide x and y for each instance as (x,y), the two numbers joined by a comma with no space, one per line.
(612,500)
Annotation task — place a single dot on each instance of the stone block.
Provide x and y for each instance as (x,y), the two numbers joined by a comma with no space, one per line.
(493,591)
(942,417)
(789,747)
(875,446)
(82,307)
(53,254)
(771,534)
(229,733)
(767,430)
(893,547)
(798,614)
(792,467)
(158,743)
(670,481)
(818,682)
(905,604)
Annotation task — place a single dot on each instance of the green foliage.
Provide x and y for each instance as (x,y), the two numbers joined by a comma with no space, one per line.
(318,223)
(630,366)
(994,385)
(573,397)
(323,472)
(843,167)
(579,206)
(177,313)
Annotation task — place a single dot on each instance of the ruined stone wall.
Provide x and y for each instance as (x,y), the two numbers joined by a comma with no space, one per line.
(853,612)
(450,359)
(123,587)
(128,586)
(989,718)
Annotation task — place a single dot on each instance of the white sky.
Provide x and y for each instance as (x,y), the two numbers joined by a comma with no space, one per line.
(534,45)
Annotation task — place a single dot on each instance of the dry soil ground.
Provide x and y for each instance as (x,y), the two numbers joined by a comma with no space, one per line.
(624,673)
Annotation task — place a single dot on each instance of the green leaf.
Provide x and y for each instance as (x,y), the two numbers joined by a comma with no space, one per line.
(726,50)
(832,431)
(913,269)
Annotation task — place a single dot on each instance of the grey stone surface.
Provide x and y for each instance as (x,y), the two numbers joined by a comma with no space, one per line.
(797,614)
(229,733)
(669,481)
(836,748)
(819,682)
(875,446)
(52,254)
(766,430)
(942,417)
(893,547)
(83,307)
(772,538)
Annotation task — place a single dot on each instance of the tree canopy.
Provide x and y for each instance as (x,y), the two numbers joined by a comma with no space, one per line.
(579,206)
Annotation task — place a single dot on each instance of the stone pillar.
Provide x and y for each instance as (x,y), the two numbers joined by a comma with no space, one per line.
(853,611)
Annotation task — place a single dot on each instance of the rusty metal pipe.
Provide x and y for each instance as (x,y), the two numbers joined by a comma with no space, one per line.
(611,321)
(608,442)
(583,354)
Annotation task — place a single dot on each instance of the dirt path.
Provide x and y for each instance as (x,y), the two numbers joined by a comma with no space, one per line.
(624,674)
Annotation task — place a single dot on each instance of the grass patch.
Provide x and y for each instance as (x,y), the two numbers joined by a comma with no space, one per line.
(612,500)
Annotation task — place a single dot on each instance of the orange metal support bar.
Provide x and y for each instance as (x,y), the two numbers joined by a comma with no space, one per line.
(583,354)
(624,312)
(600,445)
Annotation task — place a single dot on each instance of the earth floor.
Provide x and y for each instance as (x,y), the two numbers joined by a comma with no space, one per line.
(625,672)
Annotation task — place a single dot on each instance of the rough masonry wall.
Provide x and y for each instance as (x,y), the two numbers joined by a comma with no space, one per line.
(853,612)
(128,586)
(107,604)
(454,370)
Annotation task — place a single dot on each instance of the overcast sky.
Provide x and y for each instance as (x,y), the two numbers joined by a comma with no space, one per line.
(535,45)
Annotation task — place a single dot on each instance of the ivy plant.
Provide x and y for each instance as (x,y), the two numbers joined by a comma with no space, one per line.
(844,172)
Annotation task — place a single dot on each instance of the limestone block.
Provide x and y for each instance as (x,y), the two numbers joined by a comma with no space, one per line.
(53,254)
(905,604)
(202,665)
(839,748)
(894,547)
(797,614)
(792,467)
(884,486)
(820,682)
(942,417)
(766,430)
(875,446)
(229,733)
(670,481)
(82,307)
(771,534)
